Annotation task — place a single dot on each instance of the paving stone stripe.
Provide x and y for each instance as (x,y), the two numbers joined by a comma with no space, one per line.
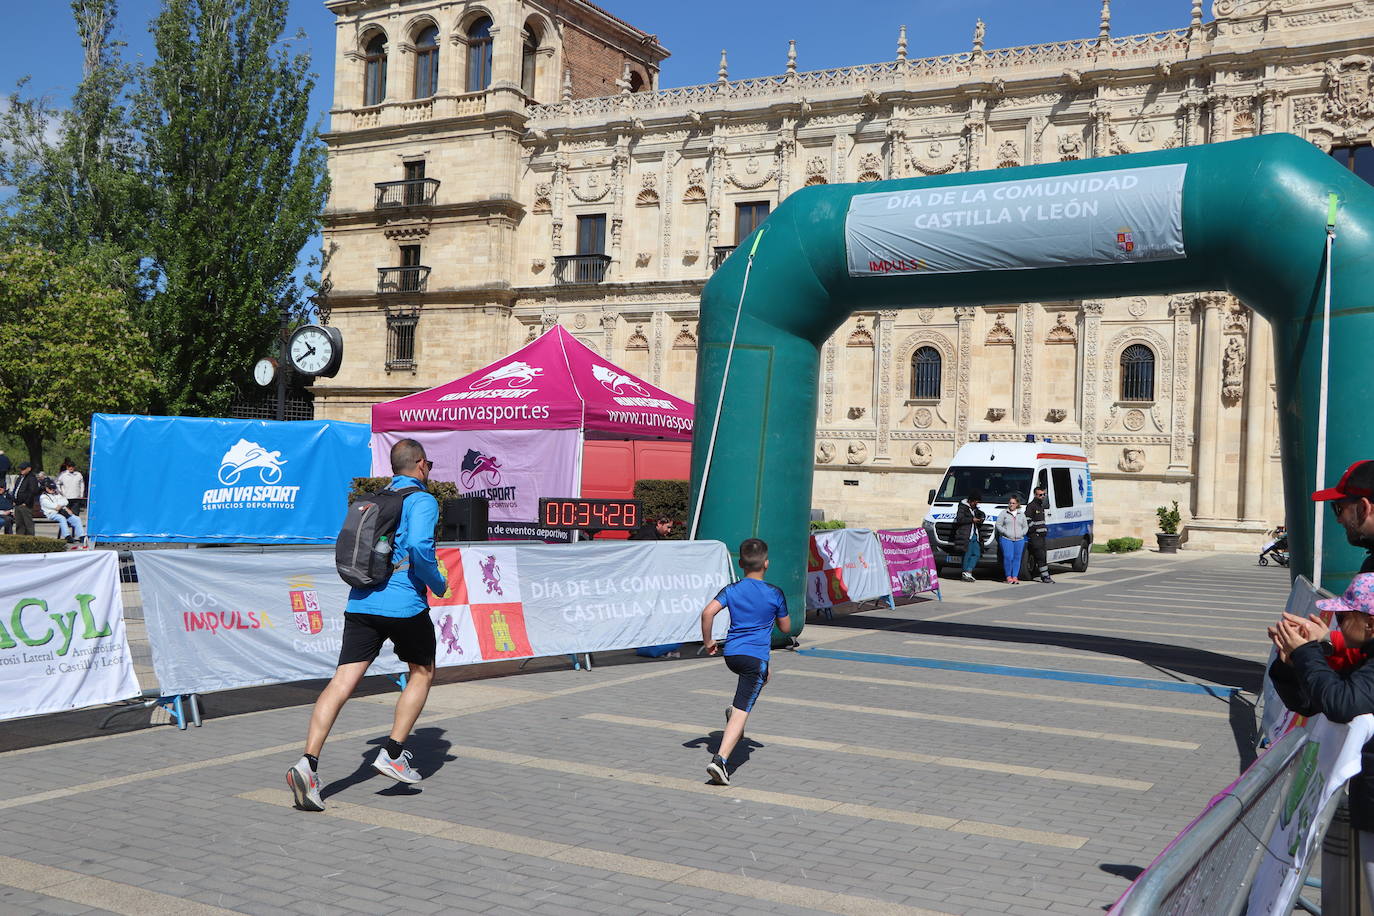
(964,720)
(101,893)
(1196,626)
(1020,624)
(1013,694)
(1086,655)
(963,763)
(1104,604)
(782,799)
(616,863)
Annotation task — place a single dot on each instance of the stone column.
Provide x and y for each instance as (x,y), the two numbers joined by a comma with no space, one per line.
(1256,417)
(1025,353)
(884,327)
(964,316)
(1208,407)
(1089,373)
(1181,308)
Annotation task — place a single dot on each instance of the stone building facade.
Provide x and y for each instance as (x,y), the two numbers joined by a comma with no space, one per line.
(570,189)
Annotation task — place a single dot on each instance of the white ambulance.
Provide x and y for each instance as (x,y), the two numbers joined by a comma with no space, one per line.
(1003,469)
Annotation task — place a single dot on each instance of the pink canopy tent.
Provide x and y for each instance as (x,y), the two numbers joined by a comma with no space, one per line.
(514,430)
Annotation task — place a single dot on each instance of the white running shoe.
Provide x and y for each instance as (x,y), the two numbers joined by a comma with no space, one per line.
(305,786)
(398,768)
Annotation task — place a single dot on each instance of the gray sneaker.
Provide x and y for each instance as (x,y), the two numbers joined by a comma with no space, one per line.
(967,577)
(305,786)
(398,768)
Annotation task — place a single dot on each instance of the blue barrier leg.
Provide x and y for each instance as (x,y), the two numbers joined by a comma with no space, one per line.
(180,712)
(577,665)
(890,603)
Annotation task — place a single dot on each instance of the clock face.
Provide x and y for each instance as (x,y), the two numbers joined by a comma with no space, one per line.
(265,371)
(311,350)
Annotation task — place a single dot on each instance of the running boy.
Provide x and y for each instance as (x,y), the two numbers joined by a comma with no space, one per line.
(754,606)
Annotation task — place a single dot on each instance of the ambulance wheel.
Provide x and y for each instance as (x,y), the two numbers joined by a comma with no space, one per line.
(1080,563)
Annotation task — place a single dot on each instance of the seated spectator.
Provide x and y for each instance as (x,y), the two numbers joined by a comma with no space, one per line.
(6,510)
(54,507)
(71,484)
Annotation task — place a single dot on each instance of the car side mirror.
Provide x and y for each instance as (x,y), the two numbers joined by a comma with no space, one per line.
(931,498)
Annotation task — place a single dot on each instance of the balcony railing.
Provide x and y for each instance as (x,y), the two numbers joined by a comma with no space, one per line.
(413,192)
(719,254)
(402,279)
(579,269)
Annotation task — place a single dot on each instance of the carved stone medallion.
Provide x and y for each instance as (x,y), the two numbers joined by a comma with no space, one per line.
(1135,420)
(922,454)
(825,452)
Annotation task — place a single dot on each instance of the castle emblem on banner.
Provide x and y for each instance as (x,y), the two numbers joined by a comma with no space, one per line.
(305,607)
(1125,240)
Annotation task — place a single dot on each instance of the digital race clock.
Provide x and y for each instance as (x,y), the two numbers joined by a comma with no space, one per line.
(601,514)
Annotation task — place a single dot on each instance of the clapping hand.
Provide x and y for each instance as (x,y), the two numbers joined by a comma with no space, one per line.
(1292,631)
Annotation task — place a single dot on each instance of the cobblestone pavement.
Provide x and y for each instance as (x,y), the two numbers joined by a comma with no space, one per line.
(864,786)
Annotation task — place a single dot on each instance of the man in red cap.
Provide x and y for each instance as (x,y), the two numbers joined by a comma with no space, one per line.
(1352,499)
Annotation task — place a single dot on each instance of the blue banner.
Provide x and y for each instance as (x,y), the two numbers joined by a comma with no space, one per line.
(213,481)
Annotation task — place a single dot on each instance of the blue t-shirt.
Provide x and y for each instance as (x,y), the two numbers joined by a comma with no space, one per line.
(754,605)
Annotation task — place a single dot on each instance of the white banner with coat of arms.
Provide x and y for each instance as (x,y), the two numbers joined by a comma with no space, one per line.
(62,641)
(228,618)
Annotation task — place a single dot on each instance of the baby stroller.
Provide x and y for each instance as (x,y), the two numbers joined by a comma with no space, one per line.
(1277,549)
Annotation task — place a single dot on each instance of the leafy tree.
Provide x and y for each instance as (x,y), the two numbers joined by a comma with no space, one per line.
(76,191)
(71,348)
(236,183)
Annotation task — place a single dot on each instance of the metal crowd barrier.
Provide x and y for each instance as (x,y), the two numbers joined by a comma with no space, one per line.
(1210,868)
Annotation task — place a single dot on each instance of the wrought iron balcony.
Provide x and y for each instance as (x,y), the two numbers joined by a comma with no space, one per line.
(402,279)
(580,269)
(719,254)
(413,192)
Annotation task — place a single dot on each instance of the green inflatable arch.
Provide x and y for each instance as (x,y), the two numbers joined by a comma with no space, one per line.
(1253,222)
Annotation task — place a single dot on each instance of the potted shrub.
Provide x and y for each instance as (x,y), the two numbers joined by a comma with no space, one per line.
(1167,536)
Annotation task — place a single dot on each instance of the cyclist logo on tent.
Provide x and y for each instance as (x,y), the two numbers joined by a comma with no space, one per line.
(245,455)
(616,383)
(516,375)
(475,465)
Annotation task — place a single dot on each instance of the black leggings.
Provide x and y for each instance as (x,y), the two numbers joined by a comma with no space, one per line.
(753,673)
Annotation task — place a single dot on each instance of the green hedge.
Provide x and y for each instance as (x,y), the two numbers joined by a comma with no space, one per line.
(830,525)
(665,498)
(1124,545)
(439,489)
(23,543)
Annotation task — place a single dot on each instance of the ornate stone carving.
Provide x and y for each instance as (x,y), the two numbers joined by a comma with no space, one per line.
(1349,100)
(999,333)
(751,168)
(637,340)
(580,320)
(1134,420)
(696,186)
(1056,415)
(1092,323)
(825,452)
(1008,154)
(925,315)
(685,339)
(964,316)
(861,337)
(857,453)
(816,167)
(1137,307)
(1062,332)
(856,413)
(1132,460)
(1070,146)
(923,417)
(928,338)
(1027,352)
(1233,368)
(595,191)
(828,381)
(922,453)
(995,414)
(870,167)
(886,320)
(1181,308)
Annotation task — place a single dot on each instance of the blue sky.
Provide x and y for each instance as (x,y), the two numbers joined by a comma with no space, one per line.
(43,45)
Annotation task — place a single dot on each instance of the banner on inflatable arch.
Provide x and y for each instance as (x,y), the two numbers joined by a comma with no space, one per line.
(845,564)
(910,562)
(161,479)
(510,468)
(62,641)
(1127,216)
(224,619)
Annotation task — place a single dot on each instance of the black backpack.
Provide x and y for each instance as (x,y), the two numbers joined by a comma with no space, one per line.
(362,554)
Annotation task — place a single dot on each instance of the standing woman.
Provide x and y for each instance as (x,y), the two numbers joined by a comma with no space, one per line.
(1011,538)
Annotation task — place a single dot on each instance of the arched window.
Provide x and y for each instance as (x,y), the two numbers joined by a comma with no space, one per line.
(528,60)
(479,55)
(374,71)
(427,63)
(925,374)
(1137,373)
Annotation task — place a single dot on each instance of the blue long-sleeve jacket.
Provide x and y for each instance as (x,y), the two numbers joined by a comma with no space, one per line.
(416,568)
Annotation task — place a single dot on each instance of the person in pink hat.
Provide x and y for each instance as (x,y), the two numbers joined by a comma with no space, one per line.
(1352,499)
(1308,685)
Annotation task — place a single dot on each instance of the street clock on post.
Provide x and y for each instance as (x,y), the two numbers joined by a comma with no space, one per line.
(316,350)
(265,371)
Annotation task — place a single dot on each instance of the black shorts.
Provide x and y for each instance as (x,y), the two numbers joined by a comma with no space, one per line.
(753,672)
(411,637)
